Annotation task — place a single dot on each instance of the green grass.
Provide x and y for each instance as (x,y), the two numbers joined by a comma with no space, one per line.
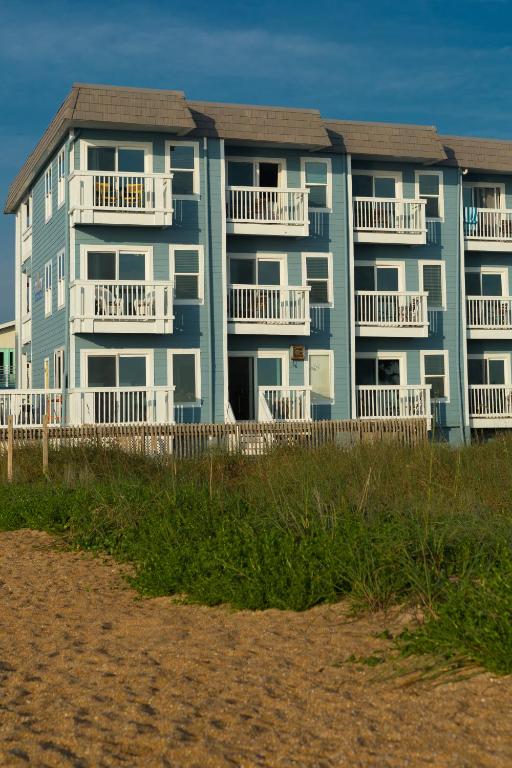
(378,525)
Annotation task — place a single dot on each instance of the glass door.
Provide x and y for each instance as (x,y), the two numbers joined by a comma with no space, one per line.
(241,386)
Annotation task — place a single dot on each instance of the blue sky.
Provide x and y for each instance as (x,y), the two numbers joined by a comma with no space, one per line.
(447,62)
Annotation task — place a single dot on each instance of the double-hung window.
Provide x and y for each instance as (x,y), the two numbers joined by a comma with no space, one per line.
(318,276)
(183,163)
(61,176)
(321,376)
(432,280)
(27,214)
(48,190)
(434,370)
(61,267)
(317,179)
(186,376)
(48,292)
(187,266)
(429,187)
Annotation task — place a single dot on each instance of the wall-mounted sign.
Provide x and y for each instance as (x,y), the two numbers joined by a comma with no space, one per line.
(298,352)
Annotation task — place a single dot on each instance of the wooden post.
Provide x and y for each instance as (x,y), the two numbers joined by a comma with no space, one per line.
(10,450)
(45,444)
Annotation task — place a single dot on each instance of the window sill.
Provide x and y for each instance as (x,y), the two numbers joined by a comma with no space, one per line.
(193,404)
(188,302)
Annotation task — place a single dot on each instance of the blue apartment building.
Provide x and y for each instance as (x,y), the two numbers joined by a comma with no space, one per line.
(186,261)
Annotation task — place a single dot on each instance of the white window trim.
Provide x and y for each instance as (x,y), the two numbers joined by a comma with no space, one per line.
(330,355)
(263,354)
(429,353)
(147,353)
(197,355)
(502,271)
(147,146)
(434,262)
(396,175)
(282,176)
(26,283)
(200,287)
(486,184)
(262,256)
(61,180)
(385,355)
(400,265)
(46,373)
(330,281)
(58,354)
(440,176)
(147,250)
(328,193)
(48,193)
(61,279)
(48,291)
(26,228)
(505,356)
(196,181)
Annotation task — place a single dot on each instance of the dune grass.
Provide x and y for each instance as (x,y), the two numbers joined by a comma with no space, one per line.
(377,524)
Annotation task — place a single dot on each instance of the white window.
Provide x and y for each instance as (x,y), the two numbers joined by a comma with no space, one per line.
(433,281)
(429,187)
(48,189)
(484,196)
(317,274)
(107,263)
(111,157)
(61,177)
(58,369)
(61,273)
(48,288)
(434,371)
(321,376)
(187,268)
(27,214)
(183,163)
(256,172)
(27,295)
(185,375)
(379,184)
(317,177)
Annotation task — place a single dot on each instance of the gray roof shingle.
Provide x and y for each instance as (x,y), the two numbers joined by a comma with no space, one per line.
(478,154)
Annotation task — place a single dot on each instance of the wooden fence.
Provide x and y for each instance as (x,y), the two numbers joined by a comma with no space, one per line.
(184,441)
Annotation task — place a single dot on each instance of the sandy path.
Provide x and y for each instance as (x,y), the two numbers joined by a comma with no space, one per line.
(92,676)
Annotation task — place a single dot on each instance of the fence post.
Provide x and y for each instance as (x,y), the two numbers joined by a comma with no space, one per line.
(10,449)
(45,444)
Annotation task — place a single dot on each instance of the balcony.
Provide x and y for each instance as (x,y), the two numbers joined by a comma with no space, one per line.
(487,229)
(28,407)
(120,198)
(490,406)
(489,317)
(284,404)
(279,310)
(128,405)
(128,307)
(388,220)
(409,401)
(267,211)
(391,313)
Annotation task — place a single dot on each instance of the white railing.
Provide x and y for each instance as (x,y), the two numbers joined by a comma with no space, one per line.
(7,377)
(395,309)
(267,205)
(268,304)
(284,403)
(492,312)
(129,300)
(381,214)
(143,192)
(487,224)
(124,405)
(394,401)
(490,400)
(28,406)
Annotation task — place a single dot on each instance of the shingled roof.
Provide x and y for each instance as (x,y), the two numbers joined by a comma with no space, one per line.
(385,141)
(246,124)
(478,154)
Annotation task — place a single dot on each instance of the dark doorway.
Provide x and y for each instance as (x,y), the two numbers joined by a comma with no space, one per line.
(241,387)
(269,175)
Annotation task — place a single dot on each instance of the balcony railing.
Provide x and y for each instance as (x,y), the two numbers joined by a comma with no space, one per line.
(391,309)
(120,193)
(490,401)
(393,402)
(125,405)
(28,406)
(489,224)
(7,378)
(489,312)
(274,208)
(145,306)
(390,216)
(284,404)
(272,304)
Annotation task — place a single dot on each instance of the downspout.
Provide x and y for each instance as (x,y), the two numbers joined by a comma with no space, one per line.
(462,353)
(351,294)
